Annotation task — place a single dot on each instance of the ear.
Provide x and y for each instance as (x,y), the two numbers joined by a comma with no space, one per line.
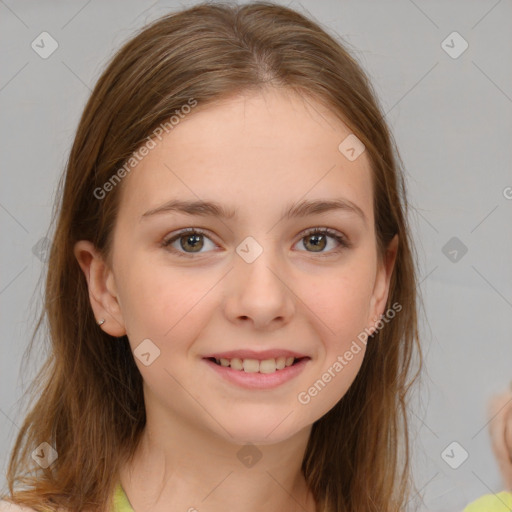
(382,282)
(102,289)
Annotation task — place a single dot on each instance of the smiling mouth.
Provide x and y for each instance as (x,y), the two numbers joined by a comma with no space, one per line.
(256,366)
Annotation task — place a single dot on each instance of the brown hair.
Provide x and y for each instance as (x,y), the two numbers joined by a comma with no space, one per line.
(90,405)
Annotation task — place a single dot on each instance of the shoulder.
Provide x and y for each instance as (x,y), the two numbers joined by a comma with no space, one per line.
(7,506)
(500,502)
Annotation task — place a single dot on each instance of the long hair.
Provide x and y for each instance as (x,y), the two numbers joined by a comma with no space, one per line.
(88,401)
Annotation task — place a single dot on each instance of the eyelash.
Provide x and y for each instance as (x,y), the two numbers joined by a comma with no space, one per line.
(341,239)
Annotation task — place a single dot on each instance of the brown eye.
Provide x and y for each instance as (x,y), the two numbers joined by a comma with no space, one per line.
(190,241)
(316,242)
(317,239)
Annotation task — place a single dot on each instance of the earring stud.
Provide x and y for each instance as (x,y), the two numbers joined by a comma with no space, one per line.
(101,322)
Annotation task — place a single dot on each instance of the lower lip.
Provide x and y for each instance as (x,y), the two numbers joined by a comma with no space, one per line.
(256,380)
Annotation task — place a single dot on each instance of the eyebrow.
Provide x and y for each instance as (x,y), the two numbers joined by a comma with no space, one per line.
(300,209)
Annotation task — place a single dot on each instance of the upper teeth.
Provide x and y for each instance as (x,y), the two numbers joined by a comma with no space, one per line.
(253,365)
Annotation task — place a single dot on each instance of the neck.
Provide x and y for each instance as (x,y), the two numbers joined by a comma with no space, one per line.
(180,467)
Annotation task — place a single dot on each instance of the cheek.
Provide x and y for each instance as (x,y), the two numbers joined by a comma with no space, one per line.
(340,301)
(159,302)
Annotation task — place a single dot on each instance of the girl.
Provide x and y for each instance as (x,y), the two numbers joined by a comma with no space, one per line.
(231,288)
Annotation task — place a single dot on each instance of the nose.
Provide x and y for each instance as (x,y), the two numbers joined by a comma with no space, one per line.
(260,292)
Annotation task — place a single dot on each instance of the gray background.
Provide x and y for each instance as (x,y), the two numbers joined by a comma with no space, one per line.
(452,119)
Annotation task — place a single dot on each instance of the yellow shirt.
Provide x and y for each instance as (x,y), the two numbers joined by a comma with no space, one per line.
(501,502)
(120,501)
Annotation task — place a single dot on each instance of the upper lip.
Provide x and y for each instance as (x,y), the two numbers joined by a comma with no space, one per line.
(252,354)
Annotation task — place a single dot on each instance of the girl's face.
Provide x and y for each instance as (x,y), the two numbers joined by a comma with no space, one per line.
(254,281)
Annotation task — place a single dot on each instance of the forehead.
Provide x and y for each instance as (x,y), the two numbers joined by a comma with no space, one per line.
(254,151)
